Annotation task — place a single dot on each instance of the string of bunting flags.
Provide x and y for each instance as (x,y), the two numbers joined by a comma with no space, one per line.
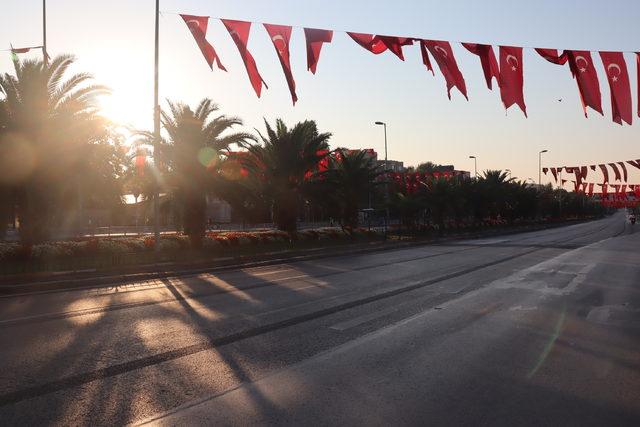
(619,171)
(506,68)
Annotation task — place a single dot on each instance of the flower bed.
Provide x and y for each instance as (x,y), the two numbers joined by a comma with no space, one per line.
(213,242)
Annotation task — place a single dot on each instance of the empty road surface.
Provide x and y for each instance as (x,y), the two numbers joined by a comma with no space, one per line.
(539,328)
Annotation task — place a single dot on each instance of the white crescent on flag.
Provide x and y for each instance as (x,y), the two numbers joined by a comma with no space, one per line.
(516,64)
(586,63)
(441,50)
(614,66)
(278,37)
(193,24)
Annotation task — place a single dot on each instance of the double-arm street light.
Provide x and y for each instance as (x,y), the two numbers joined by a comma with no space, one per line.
(540,166)
(475,165)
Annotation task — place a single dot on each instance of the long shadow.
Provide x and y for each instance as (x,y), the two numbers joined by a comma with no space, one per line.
(203,326)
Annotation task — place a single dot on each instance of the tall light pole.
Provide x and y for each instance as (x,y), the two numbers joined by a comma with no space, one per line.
(156,131)
(475,165)
(44,32)
(540,166)
(386,168)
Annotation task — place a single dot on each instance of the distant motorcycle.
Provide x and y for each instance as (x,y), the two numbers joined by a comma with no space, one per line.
(632,219)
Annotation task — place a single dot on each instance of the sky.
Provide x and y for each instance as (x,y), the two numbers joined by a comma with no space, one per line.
(353,88)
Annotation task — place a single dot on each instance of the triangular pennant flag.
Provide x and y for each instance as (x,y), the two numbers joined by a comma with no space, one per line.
(487,61)
(616,172)
(443,54)
(625,175)
(605,172)
(198,27)
(619,86)
(512,78)
(239,32)
(315,38)
(281,36)
(584,72)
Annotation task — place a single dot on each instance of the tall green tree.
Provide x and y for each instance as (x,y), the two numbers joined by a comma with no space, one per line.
(50,121)
(192,152)
(351,177)
(283,162)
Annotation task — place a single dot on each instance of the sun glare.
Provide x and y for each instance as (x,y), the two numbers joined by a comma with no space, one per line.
(125,110)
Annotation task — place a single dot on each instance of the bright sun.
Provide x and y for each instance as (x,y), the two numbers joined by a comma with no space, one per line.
(126,110)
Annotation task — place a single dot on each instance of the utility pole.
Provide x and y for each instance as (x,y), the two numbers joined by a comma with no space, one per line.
(156,132)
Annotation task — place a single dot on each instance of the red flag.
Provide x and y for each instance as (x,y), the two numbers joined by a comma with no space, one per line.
(625,175)
(315,38)
(605,172)
(552,56)
(281,36)
(198,27)
(239,31)
(616,172)
(394,44)
(369,42)
(593,167)
(584,72)
(443,54)
(591,189)
(487,60)
(554,172)
(141,159)
(511,77)
(619,86)
(20,49)
(545,170)
(634,163)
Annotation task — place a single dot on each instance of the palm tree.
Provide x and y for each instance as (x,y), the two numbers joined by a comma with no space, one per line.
(196,142)
(283,164)
(50,121)
(494,185)
(352,176)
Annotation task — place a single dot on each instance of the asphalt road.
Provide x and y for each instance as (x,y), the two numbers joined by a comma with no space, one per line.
(538,328)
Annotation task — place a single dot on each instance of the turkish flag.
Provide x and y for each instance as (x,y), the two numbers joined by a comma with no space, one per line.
(625,175)
(315,38)
(554,172)
(616,172)
(443,54)
(394,44)
(584,72)
(487,60)
(198,27)
(591,189)
(552,56)
(545,170)
(511,77)
(634,163)
(281,36)
(605,172)
(618,76)
(369,42)
(239,32)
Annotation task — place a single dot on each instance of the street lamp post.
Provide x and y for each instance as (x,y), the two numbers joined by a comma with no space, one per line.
(540,167)
(386,184)
(475,165)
